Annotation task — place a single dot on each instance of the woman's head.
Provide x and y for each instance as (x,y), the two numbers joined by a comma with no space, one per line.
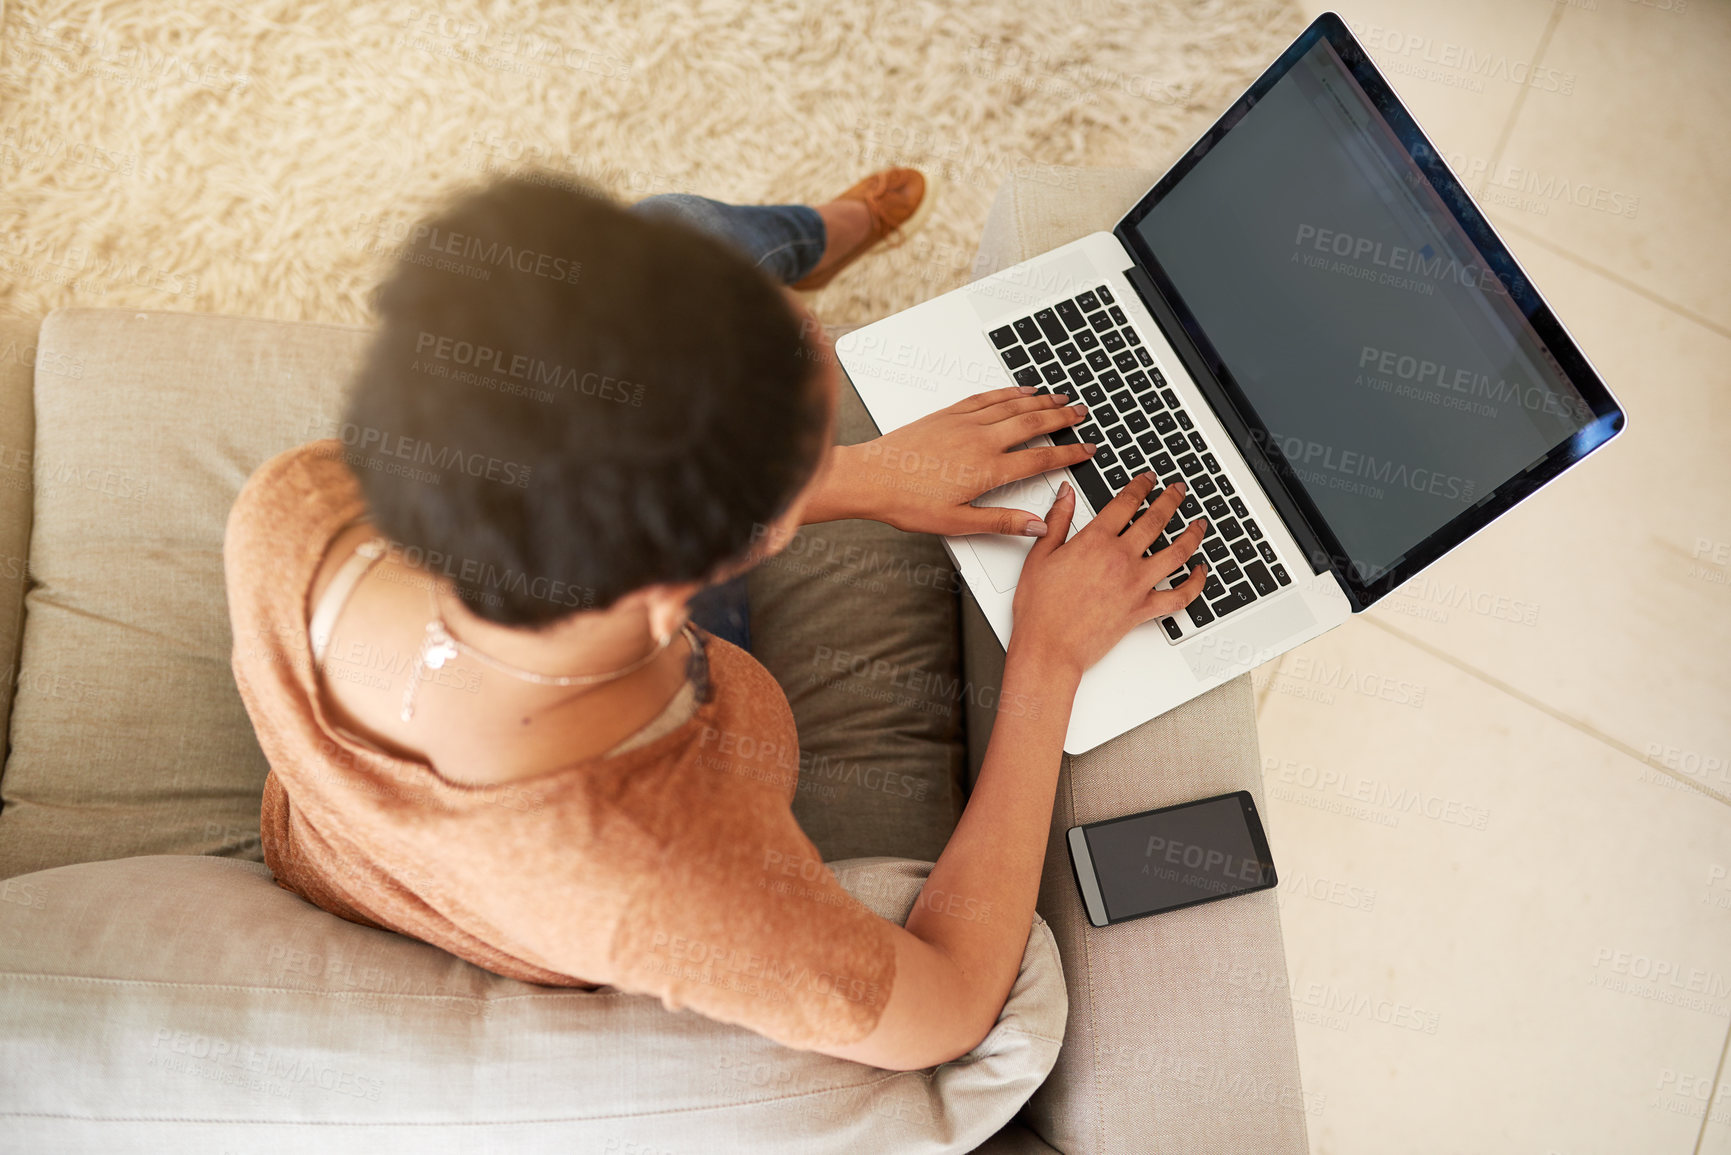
(566,402)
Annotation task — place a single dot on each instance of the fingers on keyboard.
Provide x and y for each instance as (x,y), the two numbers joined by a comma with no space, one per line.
(1136,425)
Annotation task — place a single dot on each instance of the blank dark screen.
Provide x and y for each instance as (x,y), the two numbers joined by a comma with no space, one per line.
(1167,859)
(1381,356)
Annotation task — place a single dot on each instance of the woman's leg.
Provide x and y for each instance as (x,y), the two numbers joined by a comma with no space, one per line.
(785,241)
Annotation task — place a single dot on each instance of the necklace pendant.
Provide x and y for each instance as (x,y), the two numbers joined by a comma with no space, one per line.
(438,649)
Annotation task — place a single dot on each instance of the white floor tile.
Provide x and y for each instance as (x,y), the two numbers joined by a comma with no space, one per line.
(1629,170)
(1458,66)
(1678,1093)
(1501,934)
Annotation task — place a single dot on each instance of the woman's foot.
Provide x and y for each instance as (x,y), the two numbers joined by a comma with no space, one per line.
(882,204)
(845,225)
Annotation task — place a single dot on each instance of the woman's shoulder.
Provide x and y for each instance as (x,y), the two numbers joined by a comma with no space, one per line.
(746,728)
(306,480)
(285,516)
(750,685)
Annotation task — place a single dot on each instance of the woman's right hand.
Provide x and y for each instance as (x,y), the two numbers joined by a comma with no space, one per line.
(1078,598)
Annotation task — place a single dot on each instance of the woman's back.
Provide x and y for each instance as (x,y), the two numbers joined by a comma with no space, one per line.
(660,870)
(472,723)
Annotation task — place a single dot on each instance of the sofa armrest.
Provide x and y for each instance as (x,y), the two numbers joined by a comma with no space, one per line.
(1180,1036)
(186,1002)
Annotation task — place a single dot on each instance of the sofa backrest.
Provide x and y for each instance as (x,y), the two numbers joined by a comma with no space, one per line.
(127,734)
(17,437)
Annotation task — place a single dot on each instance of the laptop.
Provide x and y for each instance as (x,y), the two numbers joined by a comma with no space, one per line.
(1309,321)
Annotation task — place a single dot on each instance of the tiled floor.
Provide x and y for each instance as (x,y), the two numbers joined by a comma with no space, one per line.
(1501,800)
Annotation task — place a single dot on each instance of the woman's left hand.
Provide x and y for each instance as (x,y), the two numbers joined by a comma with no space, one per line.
(924,476)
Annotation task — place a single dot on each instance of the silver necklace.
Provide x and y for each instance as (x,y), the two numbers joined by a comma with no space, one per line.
(439,647)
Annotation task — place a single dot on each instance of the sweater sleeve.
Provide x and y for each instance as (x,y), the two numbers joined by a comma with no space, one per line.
(755,930)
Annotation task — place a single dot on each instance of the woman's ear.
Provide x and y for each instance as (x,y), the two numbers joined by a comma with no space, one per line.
(663,606)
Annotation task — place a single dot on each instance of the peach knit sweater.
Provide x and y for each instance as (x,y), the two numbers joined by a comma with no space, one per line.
(674,869)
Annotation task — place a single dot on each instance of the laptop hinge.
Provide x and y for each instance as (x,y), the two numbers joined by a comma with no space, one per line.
(1315,552)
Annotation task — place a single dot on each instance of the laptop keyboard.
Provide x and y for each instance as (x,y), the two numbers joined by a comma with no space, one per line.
(1086,349)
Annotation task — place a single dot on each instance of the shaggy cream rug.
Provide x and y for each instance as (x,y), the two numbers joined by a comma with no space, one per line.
(265,157)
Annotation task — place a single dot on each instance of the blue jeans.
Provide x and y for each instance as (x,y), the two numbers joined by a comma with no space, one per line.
(786,242)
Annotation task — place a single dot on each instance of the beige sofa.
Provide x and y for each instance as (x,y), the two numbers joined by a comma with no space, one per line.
(158,992)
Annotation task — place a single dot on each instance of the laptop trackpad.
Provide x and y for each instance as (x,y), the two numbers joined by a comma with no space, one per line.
(1000,556)
(1235,646)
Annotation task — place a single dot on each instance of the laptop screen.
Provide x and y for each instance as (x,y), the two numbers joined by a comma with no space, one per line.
(1380,360)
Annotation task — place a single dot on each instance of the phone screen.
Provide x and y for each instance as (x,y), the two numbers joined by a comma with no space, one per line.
(1179,856)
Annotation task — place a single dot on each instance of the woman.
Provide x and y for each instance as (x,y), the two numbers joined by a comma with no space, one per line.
(489,722)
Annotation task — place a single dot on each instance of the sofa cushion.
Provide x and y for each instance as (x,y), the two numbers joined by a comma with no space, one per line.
(127,734)
(174,1003)
(858,622)
(17,438)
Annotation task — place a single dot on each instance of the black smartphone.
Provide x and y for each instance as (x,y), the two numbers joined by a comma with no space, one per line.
(1171,858)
